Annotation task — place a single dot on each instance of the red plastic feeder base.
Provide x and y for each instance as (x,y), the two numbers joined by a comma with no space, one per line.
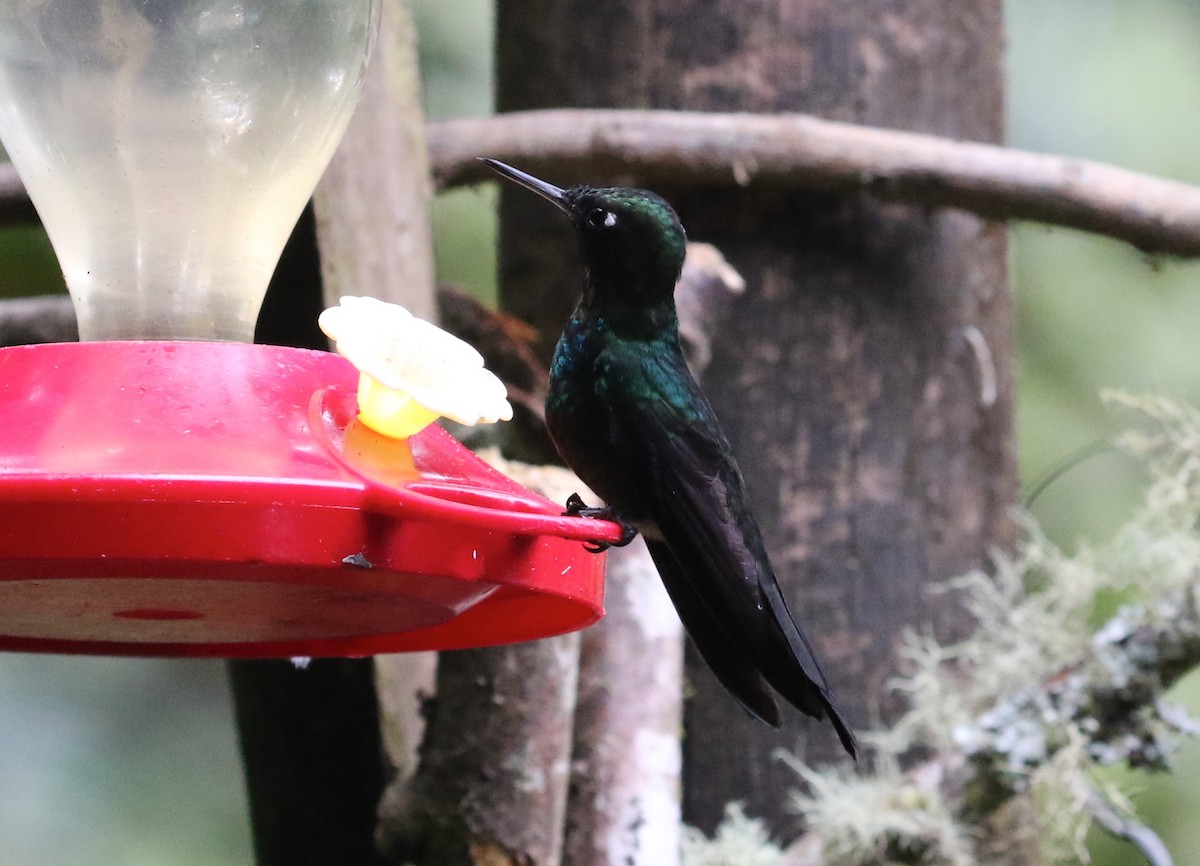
(219,499)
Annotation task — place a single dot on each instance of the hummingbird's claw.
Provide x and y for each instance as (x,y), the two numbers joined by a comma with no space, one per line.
(577,508)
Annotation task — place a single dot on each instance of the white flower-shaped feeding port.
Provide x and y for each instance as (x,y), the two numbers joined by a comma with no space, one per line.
(411,371)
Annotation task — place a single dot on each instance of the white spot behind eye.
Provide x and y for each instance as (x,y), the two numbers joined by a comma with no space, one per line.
(610,219)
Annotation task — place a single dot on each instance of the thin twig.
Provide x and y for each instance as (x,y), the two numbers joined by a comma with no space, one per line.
(1134,832)
(792,150)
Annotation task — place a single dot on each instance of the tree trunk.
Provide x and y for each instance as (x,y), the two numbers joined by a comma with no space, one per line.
(491,784)
(311,738)
(372,204)
(623,808)
(372,220)
(864,378)
(311,754)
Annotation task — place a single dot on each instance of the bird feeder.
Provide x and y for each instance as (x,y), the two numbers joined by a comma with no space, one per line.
(166,488)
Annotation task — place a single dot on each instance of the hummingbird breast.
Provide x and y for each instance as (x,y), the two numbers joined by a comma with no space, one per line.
(580,410)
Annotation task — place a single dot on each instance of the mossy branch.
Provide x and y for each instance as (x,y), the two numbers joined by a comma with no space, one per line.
(1016,718)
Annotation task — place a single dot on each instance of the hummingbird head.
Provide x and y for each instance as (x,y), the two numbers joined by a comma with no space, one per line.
(631,241)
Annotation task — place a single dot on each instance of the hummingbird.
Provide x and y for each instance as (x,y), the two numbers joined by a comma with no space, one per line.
(627,416)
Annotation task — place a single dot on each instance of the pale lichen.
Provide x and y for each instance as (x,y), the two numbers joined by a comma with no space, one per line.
(739,841)
(886,816)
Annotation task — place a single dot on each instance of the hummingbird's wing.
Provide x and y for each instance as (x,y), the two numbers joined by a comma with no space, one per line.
(704,539)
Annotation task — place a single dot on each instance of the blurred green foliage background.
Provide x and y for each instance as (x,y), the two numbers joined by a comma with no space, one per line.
(130,762)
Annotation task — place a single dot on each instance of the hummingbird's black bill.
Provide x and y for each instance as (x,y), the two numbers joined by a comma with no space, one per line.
(554,194)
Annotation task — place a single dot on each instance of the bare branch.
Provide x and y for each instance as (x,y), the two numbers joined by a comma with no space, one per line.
(798,151)
(624,805)
(792,150)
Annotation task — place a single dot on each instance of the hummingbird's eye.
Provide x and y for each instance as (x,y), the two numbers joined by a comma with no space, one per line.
(600,218)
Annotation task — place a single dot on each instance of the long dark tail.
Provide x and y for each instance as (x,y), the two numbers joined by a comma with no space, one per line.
(787,663)
(734,671)
(800,687)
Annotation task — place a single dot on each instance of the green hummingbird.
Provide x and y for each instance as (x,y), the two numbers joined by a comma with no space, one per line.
(627,416)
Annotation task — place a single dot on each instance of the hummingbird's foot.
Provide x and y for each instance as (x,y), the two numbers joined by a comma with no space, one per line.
(576,508)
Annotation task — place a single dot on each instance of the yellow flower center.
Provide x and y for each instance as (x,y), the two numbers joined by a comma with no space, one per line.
(391,412)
